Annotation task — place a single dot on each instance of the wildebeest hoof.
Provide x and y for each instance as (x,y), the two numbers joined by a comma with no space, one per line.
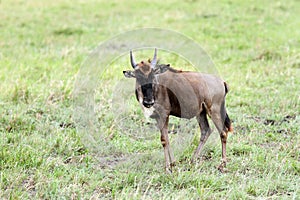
(222,167)
(168,170)
(173,164)
(192,161)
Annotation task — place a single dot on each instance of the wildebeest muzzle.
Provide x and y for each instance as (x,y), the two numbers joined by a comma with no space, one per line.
(148,96)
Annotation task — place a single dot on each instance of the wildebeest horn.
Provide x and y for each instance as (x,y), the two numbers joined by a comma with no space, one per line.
(154,60)
(133,64)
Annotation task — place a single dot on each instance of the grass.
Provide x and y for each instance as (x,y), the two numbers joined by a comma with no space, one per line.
(255,47)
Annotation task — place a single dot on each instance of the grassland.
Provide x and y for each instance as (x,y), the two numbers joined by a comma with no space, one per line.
(255,47)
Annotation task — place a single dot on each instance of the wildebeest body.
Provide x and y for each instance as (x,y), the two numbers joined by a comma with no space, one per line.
(163,91)
(185,94)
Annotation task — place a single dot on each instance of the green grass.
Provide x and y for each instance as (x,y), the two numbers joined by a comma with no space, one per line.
(255,47)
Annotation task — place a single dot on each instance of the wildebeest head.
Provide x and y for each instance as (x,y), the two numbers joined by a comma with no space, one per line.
(144,73)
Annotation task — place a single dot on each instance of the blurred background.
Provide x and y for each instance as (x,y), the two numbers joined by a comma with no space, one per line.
(255,47)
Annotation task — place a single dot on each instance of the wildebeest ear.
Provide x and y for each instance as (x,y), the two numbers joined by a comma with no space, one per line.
(162,68)
(129,74)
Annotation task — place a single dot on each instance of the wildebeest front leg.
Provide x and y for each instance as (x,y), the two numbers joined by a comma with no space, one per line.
(169,158)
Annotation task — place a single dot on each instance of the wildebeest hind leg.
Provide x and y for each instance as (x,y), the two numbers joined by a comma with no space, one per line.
(219,120)
(205,133)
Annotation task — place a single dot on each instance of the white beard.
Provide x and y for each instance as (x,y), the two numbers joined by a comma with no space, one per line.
(147,111)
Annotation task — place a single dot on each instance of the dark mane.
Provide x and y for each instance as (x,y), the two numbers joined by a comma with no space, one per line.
(165,67)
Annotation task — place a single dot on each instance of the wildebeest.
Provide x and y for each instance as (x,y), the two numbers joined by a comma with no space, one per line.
(163,91)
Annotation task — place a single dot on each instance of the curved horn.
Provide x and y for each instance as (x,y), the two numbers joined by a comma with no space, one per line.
(133,64)
(154,60)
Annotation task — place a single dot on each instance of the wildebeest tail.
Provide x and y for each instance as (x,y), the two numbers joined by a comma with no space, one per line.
(227,121)
(228,124)
(226,88)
